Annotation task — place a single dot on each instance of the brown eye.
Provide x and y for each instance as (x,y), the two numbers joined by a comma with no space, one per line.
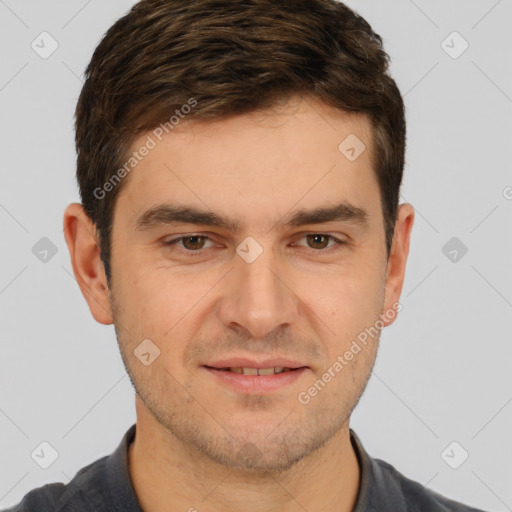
(318,241)
(193,242)
(190,245)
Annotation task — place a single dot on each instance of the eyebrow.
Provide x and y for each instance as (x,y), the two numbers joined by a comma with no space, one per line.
(166,214)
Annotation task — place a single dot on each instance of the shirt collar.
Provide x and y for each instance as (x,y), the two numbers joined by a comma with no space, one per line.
(378,490)
(118,482)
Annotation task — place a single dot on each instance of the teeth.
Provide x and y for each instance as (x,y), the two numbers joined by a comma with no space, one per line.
(266,371)
(260,371)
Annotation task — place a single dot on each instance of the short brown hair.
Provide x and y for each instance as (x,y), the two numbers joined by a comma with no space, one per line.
(230,57)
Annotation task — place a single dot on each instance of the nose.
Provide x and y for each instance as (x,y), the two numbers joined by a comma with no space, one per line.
(257,297)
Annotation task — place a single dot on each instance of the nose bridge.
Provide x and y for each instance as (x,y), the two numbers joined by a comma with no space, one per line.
(256,298)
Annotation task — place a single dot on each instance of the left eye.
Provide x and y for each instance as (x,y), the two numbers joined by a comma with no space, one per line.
(320,240)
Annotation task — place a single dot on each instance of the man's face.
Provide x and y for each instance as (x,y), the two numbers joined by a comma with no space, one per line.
(290,292)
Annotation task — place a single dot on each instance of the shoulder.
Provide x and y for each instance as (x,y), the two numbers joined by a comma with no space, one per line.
(42,498)
(417,498)
(384,488)
(83,492)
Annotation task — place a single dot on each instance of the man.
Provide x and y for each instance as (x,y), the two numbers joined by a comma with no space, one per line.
(239,166)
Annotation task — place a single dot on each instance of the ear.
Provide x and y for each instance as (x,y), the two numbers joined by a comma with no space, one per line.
(82,241)
(397,260)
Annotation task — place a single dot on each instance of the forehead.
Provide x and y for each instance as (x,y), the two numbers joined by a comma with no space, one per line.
(263,163)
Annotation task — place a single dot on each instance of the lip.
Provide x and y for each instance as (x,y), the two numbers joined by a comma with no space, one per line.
(243,362)
(255,384)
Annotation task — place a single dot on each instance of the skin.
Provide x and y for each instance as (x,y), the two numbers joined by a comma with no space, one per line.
(294,300)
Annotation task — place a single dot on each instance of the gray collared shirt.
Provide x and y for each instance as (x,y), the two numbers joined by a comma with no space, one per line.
(105,486)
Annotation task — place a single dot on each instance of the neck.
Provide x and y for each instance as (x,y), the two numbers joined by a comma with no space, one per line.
(168,475)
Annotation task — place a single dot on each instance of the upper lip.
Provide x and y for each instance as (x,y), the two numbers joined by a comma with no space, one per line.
(244,362)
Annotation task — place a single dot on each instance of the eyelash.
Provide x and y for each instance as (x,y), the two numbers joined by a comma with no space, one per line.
(200,252)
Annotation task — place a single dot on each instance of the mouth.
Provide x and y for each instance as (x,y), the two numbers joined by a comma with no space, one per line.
(255,378)
(255,371)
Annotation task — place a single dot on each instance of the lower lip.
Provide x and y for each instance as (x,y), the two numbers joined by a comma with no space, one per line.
(256,384)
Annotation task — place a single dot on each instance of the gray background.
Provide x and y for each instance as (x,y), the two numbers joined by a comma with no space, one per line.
(443,370)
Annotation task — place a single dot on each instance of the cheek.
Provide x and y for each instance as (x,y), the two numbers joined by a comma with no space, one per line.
(344,306)
(163,305)
(347,296)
